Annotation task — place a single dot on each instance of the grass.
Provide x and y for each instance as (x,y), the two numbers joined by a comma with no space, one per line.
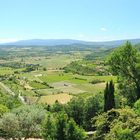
(50,99)
(67,87)
(37,85)
(54,78)
(6,70)
(106,78)
(90,88)
(102,78)
(54,61)
(79,83)
(85,95)
(57,77)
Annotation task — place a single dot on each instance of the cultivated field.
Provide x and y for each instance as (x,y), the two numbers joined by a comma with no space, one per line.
(39,76)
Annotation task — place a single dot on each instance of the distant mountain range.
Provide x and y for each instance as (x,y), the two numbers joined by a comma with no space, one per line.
(54,42)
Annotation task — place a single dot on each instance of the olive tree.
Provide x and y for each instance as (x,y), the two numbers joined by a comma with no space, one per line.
(23,122)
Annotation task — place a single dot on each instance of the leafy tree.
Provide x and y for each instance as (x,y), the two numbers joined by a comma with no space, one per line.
(109,101)
(61,123)
(23,122)
(60,127)
(124,63)
(30,118)
(57,107)
(49,129)
(127,90)
(9,126)
(93,106)
(75,110)
(77,68)
(74,132)
(117,124)
(121,134)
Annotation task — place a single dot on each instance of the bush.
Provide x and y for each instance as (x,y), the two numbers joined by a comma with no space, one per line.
(117,124)
(23,122)
(137,107)
(59,127)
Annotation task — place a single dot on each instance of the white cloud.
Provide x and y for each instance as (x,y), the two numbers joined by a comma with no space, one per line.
(103,29)
(6,40)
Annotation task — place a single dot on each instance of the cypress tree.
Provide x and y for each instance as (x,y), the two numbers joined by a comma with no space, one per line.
(106,97)
(111,96)
(109,101)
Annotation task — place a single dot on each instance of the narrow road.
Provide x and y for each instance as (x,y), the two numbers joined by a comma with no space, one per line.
(9,91)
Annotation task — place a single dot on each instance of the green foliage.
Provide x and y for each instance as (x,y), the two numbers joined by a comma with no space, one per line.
(109,101)
(74,132)
(127,89)
(61,122)
(64,122)
(96,81)
(59,127)
(117,124)
(137,107)
(3,109)
(23,122)
(77,68)
(85,67)
(121,134)
(9,101)
(75,110)
(49,128)
(100,54)
(93,106)
(57,107)
(123,62)
(38,85)
(31,67)
(9,126)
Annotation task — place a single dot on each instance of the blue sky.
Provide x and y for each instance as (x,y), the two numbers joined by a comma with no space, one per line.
(92,20)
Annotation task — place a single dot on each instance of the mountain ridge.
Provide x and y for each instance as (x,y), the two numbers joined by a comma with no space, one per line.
(54,42)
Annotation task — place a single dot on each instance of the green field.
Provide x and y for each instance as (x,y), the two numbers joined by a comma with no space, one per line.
(49,80)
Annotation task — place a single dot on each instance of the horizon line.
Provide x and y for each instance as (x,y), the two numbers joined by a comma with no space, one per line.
(14,40)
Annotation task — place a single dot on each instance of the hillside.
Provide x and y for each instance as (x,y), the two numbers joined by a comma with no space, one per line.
(54,42)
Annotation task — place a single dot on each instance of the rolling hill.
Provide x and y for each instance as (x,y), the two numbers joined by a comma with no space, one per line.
(54,42)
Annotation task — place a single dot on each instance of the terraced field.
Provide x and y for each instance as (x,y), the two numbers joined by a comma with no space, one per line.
(49,82)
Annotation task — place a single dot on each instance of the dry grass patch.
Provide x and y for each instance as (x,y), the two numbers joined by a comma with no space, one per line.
(61,98)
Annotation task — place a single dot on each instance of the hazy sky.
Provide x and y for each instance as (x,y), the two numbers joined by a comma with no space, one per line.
(92,20)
